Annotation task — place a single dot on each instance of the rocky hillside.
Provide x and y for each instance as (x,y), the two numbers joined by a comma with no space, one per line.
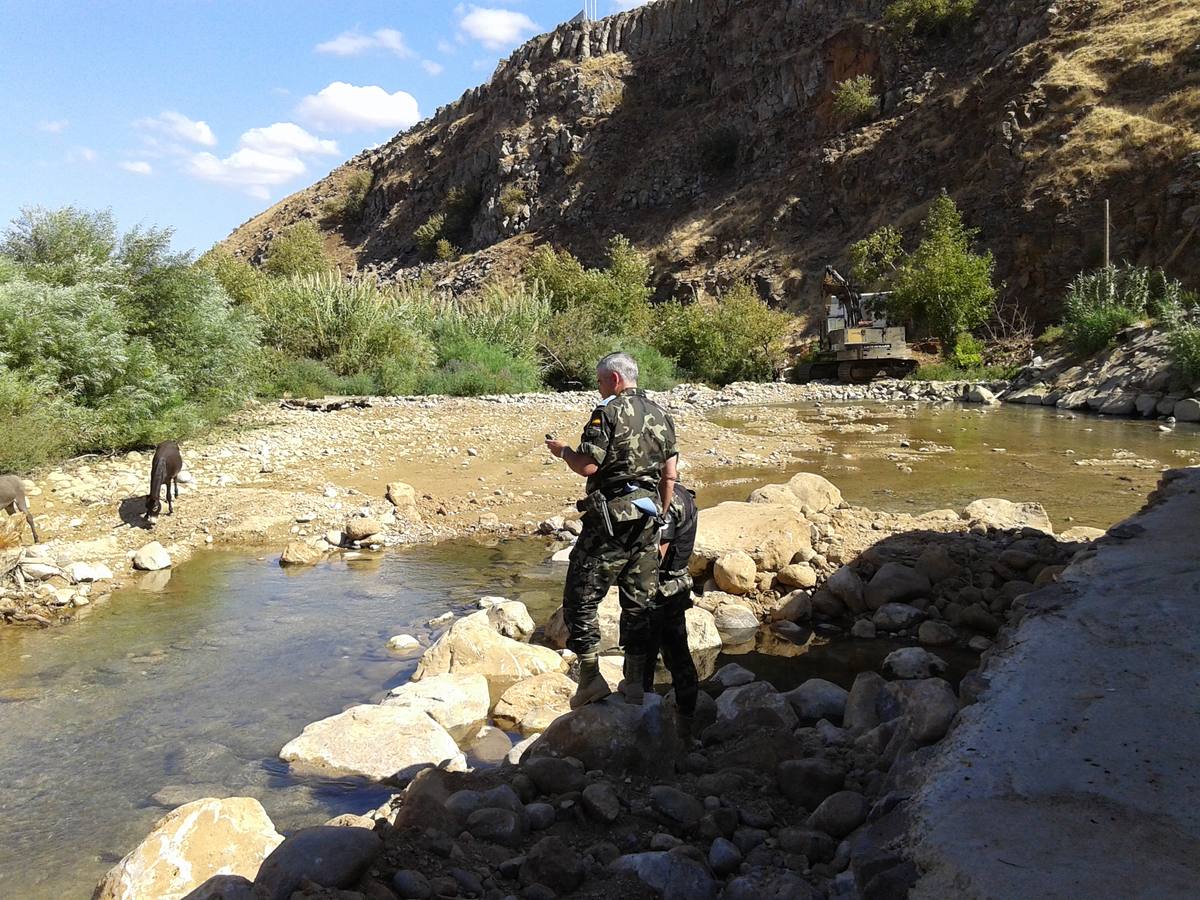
(704,130)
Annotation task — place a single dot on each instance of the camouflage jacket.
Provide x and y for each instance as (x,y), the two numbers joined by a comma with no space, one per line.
(631,439)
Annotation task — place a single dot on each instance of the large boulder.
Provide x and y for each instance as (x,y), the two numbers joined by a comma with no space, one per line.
(757,703)
(300,553)
(330,856)
(894,583)
(930,706)
(912,662)
(362,528)
(847,586)
(817,698)
(526,705)
(1005,515)
(379,742)
(896,616)
(815,492)
(734,572)
(458,701)
(472,645)
(615,737)
(190,845)
(734,618)
(770,533)
(797,575)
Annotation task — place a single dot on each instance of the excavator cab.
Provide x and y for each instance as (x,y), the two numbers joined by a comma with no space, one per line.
(857,343)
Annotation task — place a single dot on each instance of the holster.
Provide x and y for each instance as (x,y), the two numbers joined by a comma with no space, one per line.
(595,511)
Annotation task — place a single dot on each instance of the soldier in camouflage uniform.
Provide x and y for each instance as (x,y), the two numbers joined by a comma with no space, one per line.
(628,456)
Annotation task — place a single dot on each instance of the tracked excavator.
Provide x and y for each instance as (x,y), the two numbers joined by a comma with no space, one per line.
(857,343)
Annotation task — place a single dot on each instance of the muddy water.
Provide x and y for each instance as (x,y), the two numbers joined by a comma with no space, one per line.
(159,697)
(1085,470)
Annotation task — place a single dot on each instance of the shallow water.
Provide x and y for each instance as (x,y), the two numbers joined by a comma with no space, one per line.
(1011,451)
(191,690)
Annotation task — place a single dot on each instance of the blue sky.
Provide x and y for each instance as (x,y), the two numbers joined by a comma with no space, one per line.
(198,114)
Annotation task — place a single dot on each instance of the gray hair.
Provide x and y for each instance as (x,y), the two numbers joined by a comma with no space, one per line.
(621,363)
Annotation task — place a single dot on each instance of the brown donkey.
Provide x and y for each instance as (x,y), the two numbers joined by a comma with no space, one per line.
(12,500)
(164,471)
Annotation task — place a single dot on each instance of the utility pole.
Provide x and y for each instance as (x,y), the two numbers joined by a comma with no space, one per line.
(1107,234)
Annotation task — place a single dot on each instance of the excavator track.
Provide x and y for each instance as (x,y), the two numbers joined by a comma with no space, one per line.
(862,371)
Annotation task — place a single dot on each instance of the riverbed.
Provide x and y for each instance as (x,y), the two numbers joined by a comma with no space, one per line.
(189,688)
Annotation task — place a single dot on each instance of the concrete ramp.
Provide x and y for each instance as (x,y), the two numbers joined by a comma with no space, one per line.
(1077,775)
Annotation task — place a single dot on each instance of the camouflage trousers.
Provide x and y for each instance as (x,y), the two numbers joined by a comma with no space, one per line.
(628,559)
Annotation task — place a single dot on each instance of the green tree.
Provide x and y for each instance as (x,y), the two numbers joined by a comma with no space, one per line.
(943,282)
(875,257)
(239,279)
(298,251)
(928,16)
(63,246)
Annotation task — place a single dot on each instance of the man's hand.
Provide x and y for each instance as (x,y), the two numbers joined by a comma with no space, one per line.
(556,447)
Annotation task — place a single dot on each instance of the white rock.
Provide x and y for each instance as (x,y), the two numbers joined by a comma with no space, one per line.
(489,746)
(457,702)
(191,844)
(995,512)
(511,619)
(152,557)
(379,742)
(403,642)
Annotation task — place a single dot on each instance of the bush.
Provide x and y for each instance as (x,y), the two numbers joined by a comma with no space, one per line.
(854,99)
(429,234)
(928,16)
(967,352)
(737,338)
(1184,342)
(943,282)
(348,205)
(38,424)
(299,251)
(1100,304)
(948,371)
(239,279)
(512,198)
(445,251)
(63,246)
(616,299)
(347,325)
(1051,335)
(469,367)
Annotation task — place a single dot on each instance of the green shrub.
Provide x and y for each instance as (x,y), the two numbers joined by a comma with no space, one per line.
(299,251)
(37,423)
(876,256)
(468,367)
(928,16)
(736,338)
(617,299)
(1100,304)
(943,283)
(855,100)
(348,205)
(1184,342)
(429,233)
(967,352)
(239,279)
(513,317)
(281,375)
(512,198)
(64,246)
(348,325)
(445,251)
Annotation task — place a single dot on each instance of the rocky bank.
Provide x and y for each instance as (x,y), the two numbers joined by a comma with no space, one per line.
(797,794)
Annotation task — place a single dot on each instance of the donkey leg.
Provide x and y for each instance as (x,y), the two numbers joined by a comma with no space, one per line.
(23,506)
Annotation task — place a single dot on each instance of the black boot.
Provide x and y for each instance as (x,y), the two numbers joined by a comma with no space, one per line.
(683,726)
(592,686)
(631,684)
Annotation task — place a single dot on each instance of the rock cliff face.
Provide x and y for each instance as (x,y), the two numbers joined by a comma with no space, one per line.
(704,131)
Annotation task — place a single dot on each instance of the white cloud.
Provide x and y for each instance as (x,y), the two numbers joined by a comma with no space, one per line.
(433,68)
(346,107)
(287,139)
(53,126)
(353,43)
(496,28)
(180,127)
(137,167)
(265,158)
(249,169)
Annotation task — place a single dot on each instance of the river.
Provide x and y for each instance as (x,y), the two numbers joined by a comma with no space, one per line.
(162,696)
